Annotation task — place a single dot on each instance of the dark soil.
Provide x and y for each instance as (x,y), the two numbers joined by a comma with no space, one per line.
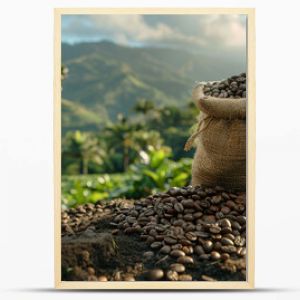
(127,259)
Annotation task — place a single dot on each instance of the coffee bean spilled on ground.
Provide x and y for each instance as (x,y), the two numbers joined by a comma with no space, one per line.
(179,228)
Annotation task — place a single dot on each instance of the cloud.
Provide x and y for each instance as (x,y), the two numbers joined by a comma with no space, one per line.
(199,31)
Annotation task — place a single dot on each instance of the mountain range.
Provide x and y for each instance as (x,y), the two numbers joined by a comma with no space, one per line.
(105,79)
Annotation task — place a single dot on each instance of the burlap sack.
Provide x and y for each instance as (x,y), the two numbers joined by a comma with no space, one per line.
(220,157)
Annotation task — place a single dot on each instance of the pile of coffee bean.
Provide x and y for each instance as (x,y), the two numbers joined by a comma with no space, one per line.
(233,87)
(182,227)
(77,219)
(188,222)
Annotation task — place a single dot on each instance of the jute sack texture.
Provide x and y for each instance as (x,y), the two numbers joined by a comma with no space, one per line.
(220,157)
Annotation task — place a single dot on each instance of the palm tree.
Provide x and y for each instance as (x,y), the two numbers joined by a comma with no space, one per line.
(144,106)
(120,137)
(85,147)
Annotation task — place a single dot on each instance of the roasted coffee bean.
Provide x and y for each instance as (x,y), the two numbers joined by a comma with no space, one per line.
(176,247)
(241,220)
(228,249)
(174,191)
(217,246)
(165,249)
(208,246)
(156,245)
(225,196)
(155,275)
(177,253)
(204,203)
(207,278)
(225,256)
(226,241)
(236,225)
(216,199)
(172,275)
(188,203)
(202,234)
(241,251)
(170,240)
(150,239)
(199,250)
(210,219)
(179,268)
(188,250)
(225,210)
(186,242)
(215,229)
(185,277)
(178,222)
(189,227)
(178,207)
(188,217)
(239,241)
(102,278)
(215,255)
(225,223)
(204,256)
(226,230)
(185,260)
(191,236)
(229,236)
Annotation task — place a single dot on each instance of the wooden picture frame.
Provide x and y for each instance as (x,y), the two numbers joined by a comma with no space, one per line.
(193,285)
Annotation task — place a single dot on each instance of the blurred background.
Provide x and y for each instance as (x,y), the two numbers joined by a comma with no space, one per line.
(126,98)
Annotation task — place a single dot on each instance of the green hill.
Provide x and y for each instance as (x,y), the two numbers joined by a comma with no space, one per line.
(75,116)
(105,78)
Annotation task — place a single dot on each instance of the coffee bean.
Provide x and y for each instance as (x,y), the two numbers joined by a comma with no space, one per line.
(204,256)
(199,250)
(128,277)
(225,223)
(207,278)
(225,256)
(170,240)
(178,207)
(189,203)
(185,277)
(191,236)
(228,249)
(165,249)
(226,241)
(210,219)
(188,217)
(215,229)
(179,268)
(226,230)
(156,245)
(215,255)
(172,275)
(185,260)
(239,241)
(155,275)
(188,250)
(176,247)
(208,246)
(217,246)
(102,278)
(177,253)
(236,225)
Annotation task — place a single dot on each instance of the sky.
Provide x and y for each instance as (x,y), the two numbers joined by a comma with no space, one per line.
(208,33)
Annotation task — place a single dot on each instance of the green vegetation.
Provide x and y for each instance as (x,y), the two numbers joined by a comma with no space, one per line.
(123,132)
(152,172)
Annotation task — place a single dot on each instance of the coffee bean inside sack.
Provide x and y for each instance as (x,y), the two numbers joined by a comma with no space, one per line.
(233,87)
